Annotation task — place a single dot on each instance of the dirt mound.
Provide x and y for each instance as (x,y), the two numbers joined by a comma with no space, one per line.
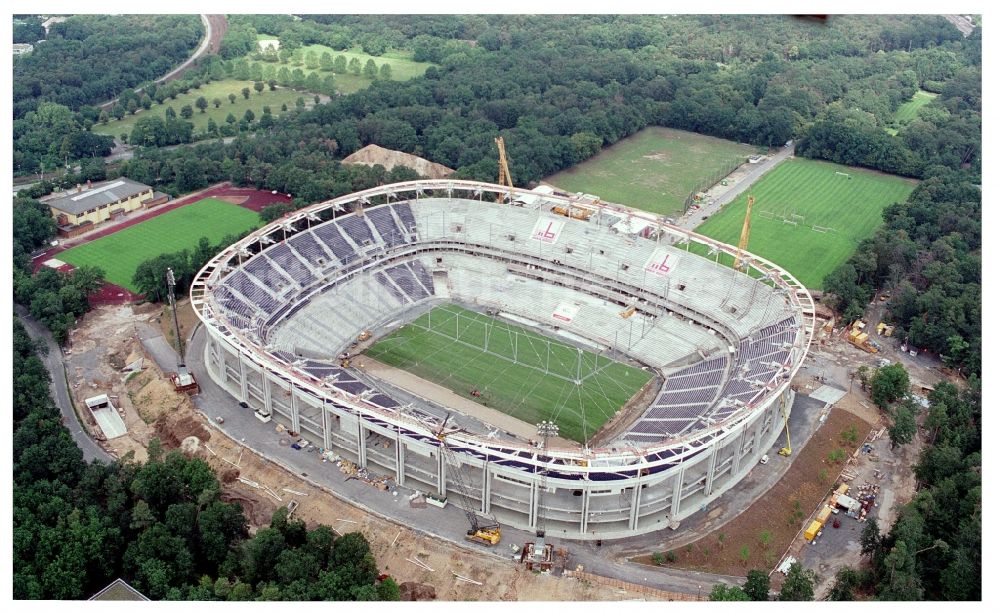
(257,509)
(416,591)
(374,154)
(173,430)
(229,476)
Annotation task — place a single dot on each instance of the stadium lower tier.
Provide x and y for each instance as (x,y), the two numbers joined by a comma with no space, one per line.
(584,501)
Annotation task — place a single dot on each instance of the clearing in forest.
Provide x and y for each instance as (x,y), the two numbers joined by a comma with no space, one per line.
(809,216)
(655,169)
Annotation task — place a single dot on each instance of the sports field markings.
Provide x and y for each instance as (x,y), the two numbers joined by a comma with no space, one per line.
(537,382)
(809,216)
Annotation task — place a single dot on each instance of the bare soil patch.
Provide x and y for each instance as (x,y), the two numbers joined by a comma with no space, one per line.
(388,158)
(759,536)
(185,316)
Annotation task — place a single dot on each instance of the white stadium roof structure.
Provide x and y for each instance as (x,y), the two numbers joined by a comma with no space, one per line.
(281,304)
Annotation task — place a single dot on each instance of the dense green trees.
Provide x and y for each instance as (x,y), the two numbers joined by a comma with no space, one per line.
(934,549)
(161,525)
(92,58)
(928,254)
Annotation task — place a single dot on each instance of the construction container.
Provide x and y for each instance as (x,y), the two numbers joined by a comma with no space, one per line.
(813,530)
(824,514)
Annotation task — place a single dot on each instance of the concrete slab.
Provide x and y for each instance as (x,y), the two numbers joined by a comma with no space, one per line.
(828,394)
(110,422)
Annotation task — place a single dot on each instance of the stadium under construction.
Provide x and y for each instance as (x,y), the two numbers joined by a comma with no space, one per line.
(283,306)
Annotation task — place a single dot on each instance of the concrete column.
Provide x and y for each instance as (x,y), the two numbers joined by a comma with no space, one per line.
(442,469)
(633,518)
(533,506)
(486,488)
(221,352)
(243,378)
(324,410)
(400,458)
(675,504)
(362,445)
(294,407)
(738,455)
(710,476)
(265,385)
(585,511)
(758,435)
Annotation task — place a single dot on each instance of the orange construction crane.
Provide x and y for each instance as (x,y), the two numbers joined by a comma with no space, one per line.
(505,178)
(744,235)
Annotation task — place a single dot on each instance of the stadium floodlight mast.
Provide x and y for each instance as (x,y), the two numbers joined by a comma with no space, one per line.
(546,429)
(171,284)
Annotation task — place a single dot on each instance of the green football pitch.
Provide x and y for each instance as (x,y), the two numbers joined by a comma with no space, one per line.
(518,371)
(809,216)
(655,169)
(119,254)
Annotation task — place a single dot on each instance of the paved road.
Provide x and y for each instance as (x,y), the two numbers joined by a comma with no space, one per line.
(695,219)
(60,394)
(202,48)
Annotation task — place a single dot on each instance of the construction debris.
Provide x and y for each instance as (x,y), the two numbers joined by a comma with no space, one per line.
(293,492)
(464,579)
(420,564)
(354,472)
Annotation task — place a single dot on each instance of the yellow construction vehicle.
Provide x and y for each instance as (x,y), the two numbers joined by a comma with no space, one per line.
(581,214)
(505,178)
(787,450)
(859,338)
(365,335)
(744,235)
(482,532)
(628,312)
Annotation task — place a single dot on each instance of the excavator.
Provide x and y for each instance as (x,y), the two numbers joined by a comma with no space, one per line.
(484,532)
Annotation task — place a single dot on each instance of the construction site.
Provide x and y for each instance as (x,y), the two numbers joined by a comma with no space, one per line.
(123,365)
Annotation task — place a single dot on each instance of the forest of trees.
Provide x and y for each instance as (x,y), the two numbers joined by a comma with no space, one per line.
(85,61)
(161,525)
(928,253)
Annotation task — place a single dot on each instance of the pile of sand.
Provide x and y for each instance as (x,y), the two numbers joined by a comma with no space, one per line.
(374,154)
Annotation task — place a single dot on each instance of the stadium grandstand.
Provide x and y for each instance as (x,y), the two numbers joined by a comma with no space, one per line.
(719,345)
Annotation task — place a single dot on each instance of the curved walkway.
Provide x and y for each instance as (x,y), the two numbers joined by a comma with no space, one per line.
(60,393)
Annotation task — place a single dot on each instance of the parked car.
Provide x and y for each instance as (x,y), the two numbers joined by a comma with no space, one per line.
(244,405)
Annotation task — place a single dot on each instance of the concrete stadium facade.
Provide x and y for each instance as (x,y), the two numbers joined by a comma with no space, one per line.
(610,492)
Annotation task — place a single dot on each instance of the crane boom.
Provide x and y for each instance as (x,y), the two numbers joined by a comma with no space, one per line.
(504,178)
(482,532)
(744,235)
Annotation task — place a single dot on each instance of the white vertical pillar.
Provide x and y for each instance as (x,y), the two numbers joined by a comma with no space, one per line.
(294,407)
(362,448)
(585,511)
(710,475)
(400,458)
(633,519)
(675,505)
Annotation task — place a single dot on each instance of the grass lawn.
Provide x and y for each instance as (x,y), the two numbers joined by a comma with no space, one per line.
(215,89)
(908,112)
(121,253)
(403,67)
(850,207)
(521,389)
(655,169)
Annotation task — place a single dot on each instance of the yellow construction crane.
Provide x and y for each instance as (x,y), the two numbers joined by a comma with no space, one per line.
(484,532)
(505,178)
(744,235)
(787,450)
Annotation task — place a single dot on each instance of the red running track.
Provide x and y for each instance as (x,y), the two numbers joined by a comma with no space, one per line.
(253,199)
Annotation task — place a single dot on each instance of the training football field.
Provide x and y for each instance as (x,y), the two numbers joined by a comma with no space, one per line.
(809,216)
(119,254)
(517,371)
